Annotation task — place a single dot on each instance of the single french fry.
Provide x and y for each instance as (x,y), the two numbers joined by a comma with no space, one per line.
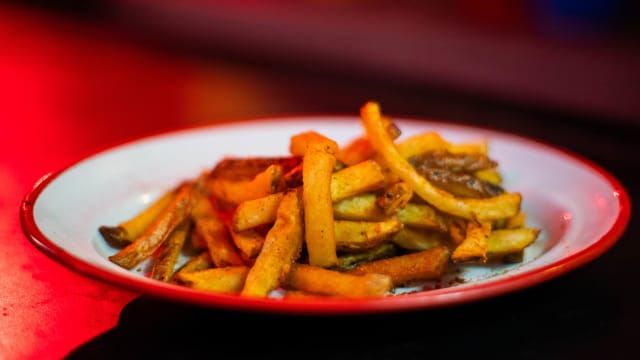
(317,168)
(359,207)
(255,212)
(501,206)
(323,281)
(356,151)
(249,243)
(360,235)
(404,269)
(355,179)
(213,231)
(236,191)
(198,262)
(154,235)
(281,248)
(490,175)
(474,245)
(422,216)
(164,266)
(228,279)
(395,197)
(415,239)
(127,231)
(430,141)
(508,241)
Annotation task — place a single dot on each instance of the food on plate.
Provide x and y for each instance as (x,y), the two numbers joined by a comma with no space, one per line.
(354,220)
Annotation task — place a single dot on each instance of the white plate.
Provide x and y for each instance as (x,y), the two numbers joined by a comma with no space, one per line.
(580,208)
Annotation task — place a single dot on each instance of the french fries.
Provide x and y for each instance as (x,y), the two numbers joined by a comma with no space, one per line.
(355,221)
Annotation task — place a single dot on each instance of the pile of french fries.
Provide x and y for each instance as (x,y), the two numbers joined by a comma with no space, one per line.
(359,220)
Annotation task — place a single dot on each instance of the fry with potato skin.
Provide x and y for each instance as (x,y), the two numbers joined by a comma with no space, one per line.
(404,269)
(127,231)
(361,235)
(501,206)
(281,248)
(318,280)
(228,279)
(164,266)
(149,241)
(355,179)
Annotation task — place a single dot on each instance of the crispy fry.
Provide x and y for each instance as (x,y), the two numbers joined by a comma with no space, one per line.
(228,279)
(317,168)
(508,241)
(404,269)
(504,205)
(211,228)
(164,266)
(474,245)
(127,231)
(430,141)
(154,235)
(255,212)
(360,235)
(357,151)
(249,243)
(314,279)
(282,247)
(362,177)
(395,197)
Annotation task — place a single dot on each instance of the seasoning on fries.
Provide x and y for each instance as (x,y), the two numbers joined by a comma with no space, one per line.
(354,220)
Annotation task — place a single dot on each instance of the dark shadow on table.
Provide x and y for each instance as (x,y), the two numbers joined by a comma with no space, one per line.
(566,318)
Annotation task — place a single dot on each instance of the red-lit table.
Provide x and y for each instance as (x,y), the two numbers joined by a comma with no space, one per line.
(70,88)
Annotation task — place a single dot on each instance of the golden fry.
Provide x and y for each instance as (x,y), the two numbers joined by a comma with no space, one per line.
(154,235)
(317,280)
(415,239)
(360,235)
(422,216)
(282,247)
(234,192)
(255,212)
(501,206)
(359,178)
(127,231)
(508,241)
(229,279)
(474,245)
(359,207)
(317,168)
(404,269)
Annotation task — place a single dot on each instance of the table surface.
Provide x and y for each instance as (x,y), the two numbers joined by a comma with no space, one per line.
(69,87)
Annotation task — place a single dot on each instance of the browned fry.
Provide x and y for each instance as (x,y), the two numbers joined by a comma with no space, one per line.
(229,279)
(404,269)
(474,245)
(355,179)
(395,197)
(252,213)
(459,184)
(317,169)
(281,248)
(127,231)
(317,280)
(154,235)
(211,228)
(455,162)
(360,235)
(164,266)
(249,243)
